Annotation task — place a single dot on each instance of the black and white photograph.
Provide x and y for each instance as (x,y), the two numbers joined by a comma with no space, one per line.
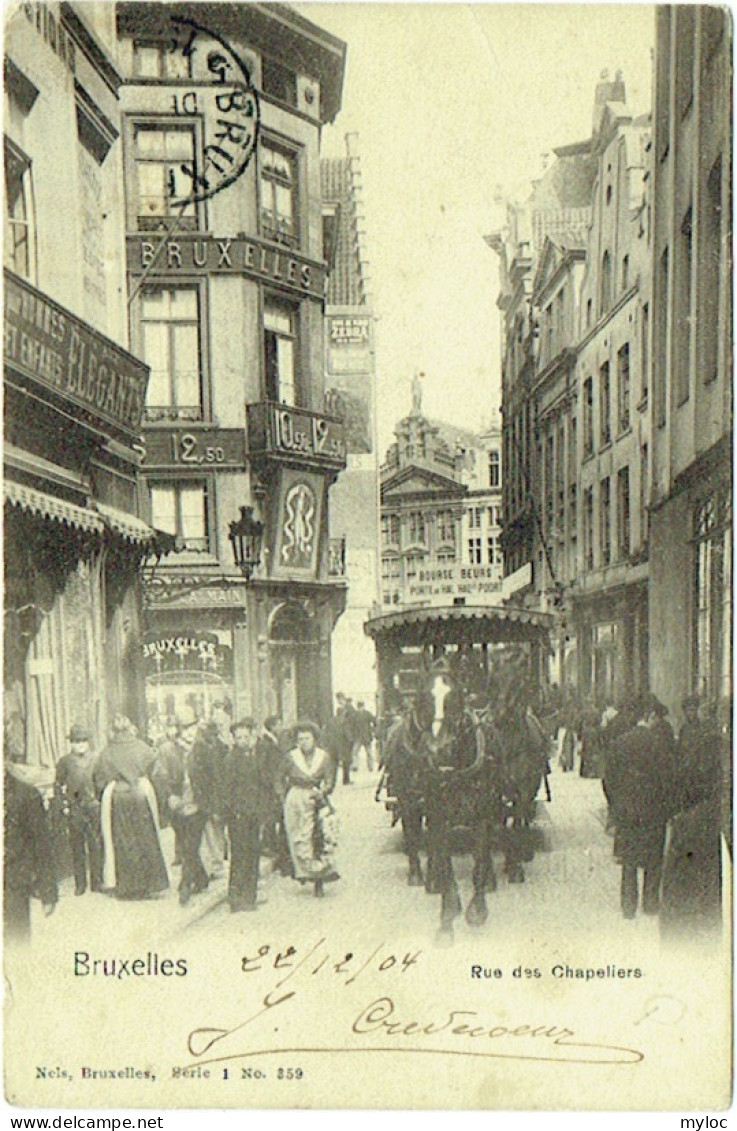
(367,544)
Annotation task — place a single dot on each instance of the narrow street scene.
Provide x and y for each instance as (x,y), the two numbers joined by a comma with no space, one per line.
(368,394)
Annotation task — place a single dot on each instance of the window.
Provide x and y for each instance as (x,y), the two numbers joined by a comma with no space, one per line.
(660,347)
(605,521)
(278,178)
(278,81)
(682,311)
(685,41)
(474,551)
(645,352)
(573,517)
(623,388)
(389,578)
(644,495)
(625,272)
(160,61)
(712,259)
(17,211)
(493,553)
(605,404)
(280,340)
(713,20)
(589,311)
(416,528)
(495,470)
(446,557)
(165,175)
(712,583)
(572,448)
(474,518)
(623,513)
(446,527)
(390,529)
(588,528)
(413,563)
(606,283)
(588,416)
(170,333)
(495,517)
(181,509)
(662,78)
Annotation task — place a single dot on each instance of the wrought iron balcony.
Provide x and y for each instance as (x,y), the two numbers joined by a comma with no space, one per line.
(296,436)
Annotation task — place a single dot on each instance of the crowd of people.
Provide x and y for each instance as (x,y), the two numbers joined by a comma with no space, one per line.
(229,791)
(664,799)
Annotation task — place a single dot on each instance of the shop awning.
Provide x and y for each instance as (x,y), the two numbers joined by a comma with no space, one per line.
(47,506)
(128,526)
(459,624)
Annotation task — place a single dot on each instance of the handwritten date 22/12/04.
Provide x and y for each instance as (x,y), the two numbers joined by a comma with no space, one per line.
(314,959)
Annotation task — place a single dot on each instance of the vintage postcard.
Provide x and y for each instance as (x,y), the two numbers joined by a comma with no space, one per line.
(367,543)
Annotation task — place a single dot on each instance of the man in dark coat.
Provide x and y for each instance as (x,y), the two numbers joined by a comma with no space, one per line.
(269,750)
(639,782)
(338,737)
(77,797)
(365,726)
(28,864)
(248,790)
(192,795)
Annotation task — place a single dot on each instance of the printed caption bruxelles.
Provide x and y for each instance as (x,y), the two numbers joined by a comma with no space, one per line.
(150,966)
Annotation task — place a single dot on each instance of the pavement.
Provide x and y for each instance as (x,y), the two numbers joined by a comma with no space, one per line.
(571,886)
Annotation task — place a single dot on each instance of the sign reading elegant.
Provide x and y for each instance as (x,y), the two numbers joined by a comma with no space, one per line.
(438,583)
(59,351)
(200,447)
(232,255)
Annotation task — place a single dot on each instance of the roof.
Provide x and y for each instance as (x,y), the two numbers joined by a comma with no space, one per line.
(461,624)
(346,281)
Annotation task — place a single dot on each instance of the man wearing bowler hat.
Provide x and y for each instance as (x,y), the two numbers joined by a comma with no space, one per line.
(81,808)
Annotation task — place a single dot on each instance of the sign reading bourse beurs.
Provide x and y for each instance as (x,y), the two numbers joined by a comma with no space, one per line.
(441,582)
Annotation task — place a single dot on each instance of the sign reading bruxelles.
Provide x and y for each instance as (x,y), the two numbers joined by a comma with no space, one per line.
(242,255)
(54,348)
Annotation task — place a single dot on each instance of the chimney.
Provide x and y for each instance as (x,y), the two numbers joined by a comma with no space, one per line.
(607,90)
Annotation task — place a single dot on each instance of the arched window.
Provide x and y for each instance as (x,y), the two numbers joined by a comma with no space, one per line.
(606,281)
(495,470)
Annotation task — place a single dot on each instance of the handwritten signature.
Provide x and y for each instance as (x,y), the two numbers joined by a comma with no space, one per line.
(381,1019)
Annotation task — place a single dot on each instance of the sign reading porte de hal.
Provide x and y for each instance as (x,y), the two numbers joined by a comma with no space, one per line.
(55,349)
(226,255)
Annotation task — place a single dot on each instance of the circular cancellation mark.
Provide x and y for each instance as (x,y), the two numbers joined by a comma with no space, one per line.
(232,125)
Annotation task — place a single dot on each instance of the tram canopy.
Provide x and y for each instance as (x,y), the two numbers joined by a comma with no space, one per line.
(461,624)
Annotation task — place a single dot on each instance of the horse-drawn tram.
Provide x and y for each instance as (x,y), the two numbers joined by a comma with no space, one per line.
(463,752)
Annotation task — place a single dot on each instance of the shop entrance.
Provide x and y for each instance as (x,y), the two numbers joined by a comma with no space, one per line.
(294,650)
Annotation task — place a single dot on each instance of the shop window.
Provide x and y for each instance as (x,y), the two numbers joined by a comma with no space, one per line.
(712,582)
(18,211)
(605,521)
(181,509)
(280,349)
(495,469)
(152,60)
(623,513)
(279,82)
(605,404)
(474,551)
(278,183)
(170,335)
(165,170)
(623,388)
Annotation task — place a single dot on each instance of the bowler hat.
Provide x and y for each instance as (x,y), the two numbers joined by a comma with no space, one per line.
(79,733)
(307,724)
(246,723)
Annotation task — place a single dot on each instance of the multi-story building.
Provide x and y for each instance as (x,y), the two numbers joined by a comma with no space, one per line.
(351,395)
(223,109)
(575,297)
(606,538)
(441,495)
(691,510)
(74,394)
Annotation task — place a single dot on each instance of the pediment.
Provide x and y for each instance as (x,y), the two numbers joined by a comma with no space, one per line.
(420,481)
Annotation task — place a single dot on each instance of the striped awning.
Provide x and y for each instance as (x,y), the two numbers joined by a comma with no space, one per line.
(32,501)
(128,526)
(456,624)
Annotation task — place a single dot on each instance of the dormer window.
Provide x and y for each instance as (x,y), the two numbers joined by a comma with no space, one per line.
(279,82)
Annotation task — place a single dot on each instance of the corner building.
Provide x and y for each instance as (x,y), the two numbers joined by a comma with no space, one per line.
(226,307)
(73,392)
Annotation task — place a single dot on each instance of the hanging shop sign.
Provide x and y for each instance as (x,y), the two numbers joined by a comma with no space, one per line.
(344,331)
(236,255)
(298,524)
(206,447)
(281,430)
(56,350)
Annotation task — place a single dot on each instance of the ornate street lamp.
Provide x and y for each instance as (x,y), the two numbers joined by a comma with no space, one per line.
(245,538)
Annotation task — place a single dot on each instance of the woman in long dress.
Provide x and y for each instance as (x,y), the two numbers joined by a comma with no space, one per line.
(309,816)
(134,863)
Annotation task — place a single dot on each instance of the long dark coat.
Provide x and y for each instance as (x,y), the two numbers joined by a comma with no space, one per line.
(640,783)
